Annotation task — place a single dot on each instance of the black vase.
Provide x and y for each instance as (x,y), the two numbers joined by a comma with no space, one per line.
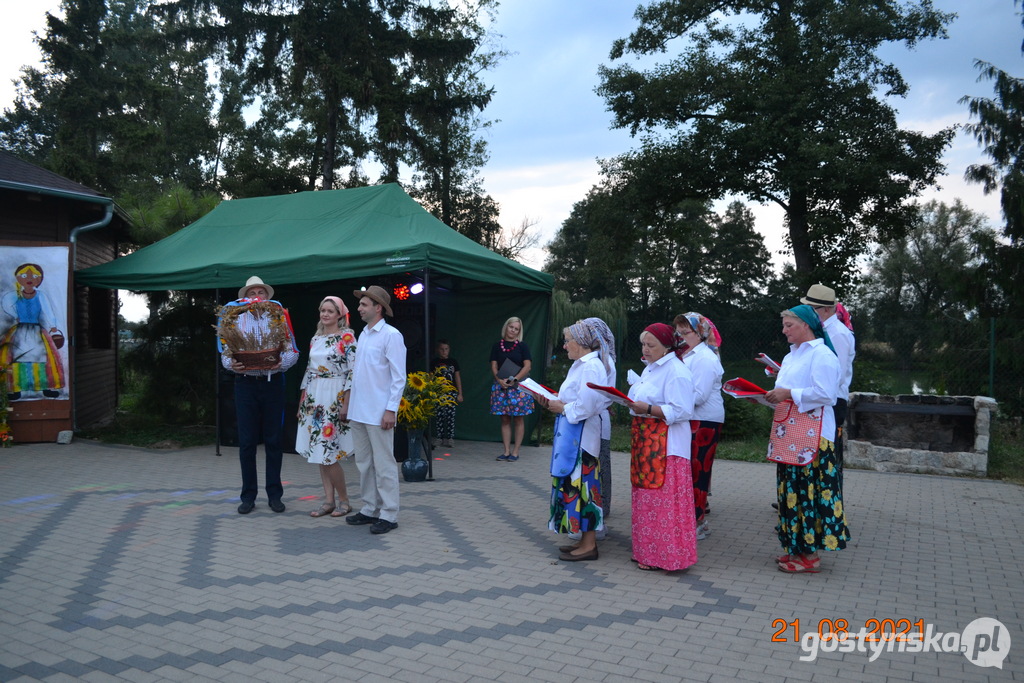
(415,467)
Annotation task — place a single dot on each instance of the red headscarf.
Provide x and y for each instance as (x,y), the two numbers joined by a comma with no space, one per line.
(666,335)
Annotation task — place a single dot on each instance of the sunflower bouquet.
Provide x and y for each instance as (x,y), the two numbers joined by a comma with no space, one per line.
(424,394)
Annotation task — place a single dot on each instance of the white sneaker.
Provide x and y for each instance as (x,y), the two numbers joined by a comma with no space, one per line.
(703,530)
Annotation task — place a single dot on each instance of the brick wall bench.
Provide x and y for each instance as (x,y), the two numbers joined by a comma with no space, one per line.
(919,433)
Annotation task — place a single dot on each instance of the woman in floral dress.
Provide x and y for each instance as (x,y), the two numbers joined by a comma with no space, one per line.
(323,436)
(811,516)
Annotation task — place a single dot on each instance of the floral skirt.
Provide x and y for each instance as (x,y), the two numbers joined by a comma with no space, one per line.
(703,445)
(811,515)
(510,401)
(321,437)
(576,498)
(664,527)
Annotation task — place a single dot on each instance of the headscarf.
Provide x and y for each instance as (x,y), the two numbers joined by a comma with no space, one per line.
(342,308)
(594,334)
(705,329)
(844,316)
(809,316)
(666,335)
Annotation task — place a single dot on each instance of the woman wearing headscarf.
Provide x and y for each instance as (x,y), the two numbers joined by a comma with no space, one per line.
(506,399)
(811,516)
(576,505)
(700,354)
(661,401)
(323,433)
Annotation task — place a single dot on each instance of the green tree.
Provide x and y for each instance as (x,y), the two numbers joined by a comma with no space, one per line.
(922,274)
(1001,134)
(780,102)
(661,259)
(116,106)
(446,101)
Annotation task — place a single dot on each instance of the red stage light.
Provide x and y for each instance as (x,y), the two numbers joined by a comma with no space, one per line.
(401,292)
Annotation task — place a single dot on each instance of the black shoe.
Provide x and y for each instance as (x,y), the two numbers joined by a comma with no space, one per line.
(277,506)
(775,505)
(51,393)
(14,396)
(245,508)
(360,518)
(382,526)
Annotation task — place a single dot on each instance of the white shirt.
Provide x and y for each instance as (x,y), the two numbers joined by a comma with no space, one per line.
(585,404)
(668,384)
(843,339)
(707,372)
(378,378)
(811,372)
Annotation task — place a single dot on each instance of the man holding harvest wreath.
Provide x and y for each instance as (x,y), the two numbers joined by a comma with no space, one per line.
(254,321)
(664,526)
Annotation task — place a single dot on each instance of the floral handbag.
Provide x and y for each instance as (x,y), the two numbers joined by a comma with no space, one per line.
(795,436)
(648,453)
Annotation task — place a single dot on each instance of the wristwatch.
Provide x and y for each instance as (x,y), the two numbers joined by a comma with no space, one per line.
(649,406)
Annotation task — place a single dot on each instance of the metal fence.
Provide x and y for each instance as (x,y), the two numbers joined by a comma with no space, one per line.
(894,356)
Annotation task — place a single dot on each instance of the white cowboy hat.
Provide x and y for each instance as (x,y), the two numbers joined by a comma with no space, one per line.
(255,281)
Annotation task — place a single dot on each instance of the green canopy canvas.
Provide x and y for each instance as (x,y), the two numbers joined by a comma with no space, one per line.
(335,241)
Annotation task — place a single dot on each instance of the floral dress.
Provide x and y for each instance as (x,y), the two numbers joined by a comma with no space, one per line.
(322,437)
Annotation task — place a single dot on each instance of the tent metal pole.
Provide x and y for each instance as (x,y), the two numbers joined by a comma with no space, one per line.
(216,391)
(427,447)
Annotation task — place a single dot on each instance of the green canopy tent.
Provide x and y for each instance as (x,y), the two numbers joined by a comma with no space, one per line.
(311,244)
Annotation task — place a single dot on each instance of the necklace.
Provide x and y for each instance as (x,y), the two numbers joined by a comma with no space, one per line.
(504,350)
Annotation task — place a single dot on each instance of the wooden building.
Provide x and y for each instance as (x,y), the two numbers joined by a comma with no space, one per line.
(51,227)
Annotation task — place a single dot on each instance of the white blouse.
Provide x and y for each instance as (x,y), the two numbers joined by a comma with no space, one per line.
(668,384)
(707,372)
(811,372)
(584,403)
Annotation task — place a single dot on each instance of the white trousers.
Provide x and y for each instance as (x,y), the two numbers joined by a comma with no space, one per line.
(378,471)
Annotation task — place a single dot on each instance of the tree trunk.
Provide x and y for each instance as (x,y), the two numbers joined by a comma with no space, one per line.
(799,232)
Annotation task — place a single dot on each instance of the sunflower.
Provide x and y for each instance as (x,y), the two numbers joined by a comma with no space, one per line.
(417,381)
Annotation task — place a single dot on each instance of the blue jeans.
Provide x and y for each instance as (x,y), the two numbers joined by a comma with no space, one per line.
(259,406)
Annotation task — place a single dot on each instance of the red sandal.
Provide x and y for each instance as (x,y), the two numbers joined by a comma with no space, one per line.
(801,565)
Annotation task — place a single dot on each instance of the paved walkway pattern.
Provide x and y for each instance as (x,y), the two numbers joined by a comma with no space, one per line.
(120,564)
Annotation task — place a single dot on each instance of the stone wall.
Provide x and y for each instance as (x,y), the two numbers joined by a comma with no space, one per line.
(919,433)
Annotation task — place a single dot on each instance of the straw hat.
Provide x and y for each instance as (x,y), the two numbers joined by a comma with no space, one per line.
(255,281)
(819,295)
(377,294)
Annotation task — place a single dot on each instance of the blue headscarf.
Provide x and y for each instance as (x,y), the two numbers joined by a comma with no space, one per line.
(807,314)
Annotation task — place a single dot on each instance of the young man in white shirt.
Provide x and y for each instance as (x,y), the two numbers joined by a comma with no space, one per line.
(378,380)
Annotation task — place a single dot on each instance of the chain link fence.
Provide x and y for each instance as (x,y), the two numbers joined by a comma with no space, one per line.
(894,356)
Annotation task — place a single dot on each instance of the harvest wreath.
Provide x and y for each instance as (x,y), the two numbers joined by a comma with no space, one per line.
(251,345)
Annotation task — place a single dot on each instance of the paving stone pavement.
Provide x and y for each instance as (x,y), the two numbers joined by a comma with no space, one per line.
(126,564)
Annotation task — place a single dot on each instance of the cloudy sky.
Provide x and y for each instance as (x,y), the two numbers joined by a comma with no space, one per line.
(551,128)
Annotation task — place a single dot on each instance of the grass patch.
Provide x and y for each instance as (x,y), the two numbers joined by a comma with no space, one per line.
(1006,450)
(135,430)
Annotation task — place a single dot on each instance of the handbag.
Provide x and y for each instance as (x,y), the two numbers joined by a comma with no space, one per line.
(565,446)
(648,453)
(796,436)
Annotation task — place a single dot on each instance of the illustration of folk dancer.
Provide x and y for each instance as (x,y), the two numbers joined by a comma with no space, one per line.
(29,347)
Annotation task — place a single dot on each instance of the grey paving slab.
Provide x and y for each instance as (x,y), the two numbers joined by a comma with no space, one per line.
(130,564)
